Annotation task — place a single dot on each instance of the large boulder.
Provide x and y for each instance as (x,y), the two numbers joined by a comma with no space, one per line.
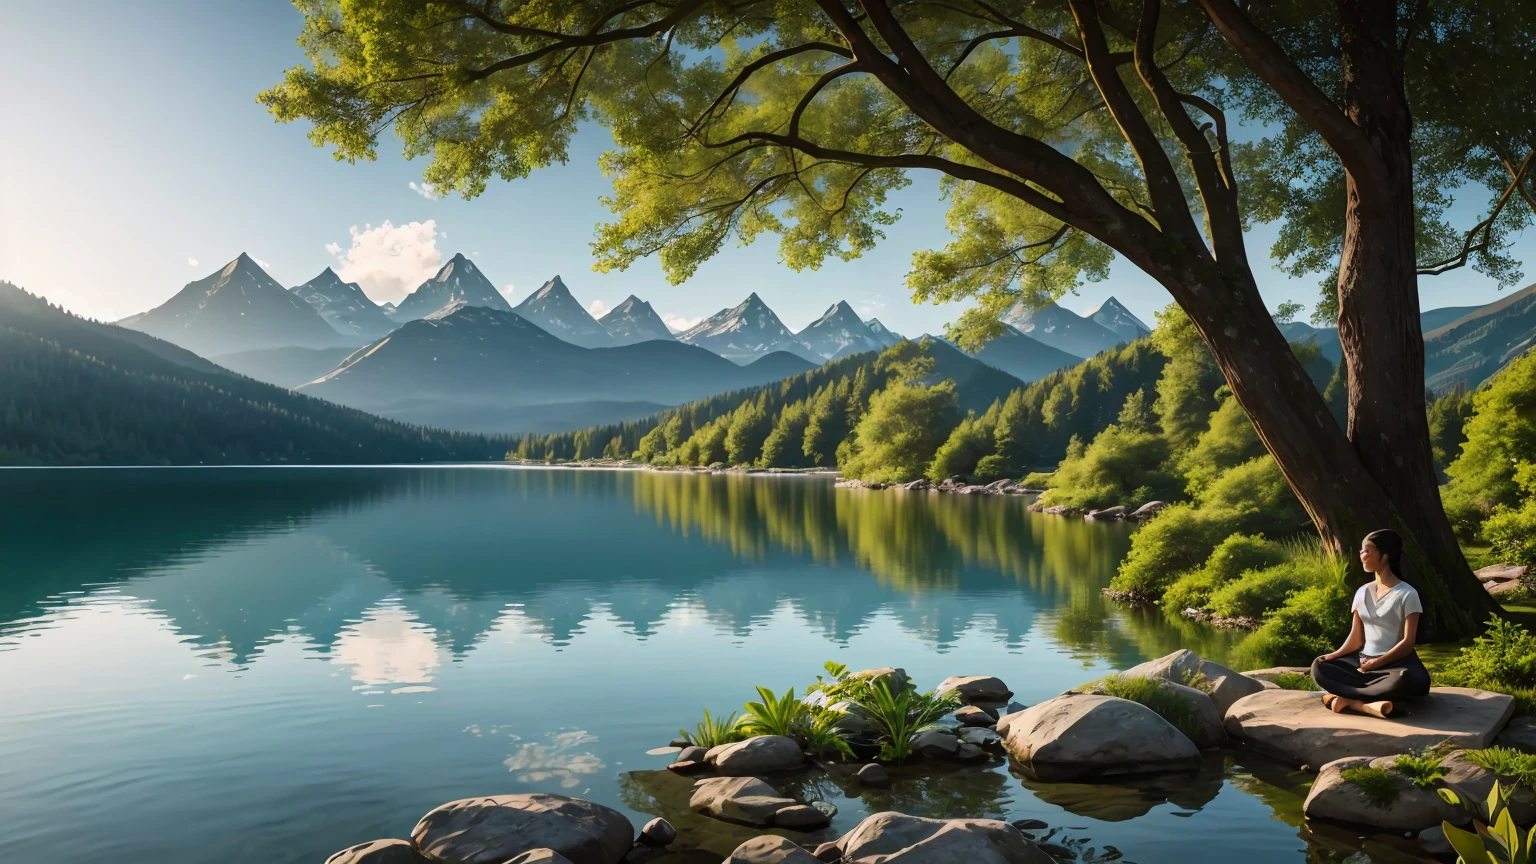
(490,830)
(378,852)
(770,849)
(1079,735)
(895,838)
(1294,726)
(1210,731)
(1409,808)
(745,800)
(976,688)
(1190,669)
(764,754)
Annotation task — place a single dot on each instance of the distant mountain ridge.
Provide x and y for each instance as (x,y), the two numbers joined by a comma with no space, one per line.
(237,308)
(459,279)
(344,306)
(1470,349)
(886,336)
(744,332)
(837,333)
(554,309)
(1061,328)
(1024,358)
(1114,317)
(635,321)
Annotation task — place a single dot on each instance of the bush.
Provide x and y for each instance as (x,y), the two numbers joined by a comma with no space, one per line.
(1500,435)
(967,446)
(1258,592)
(1295,681)
(1119,462)
(1231,558)
(1422,767)
(1178,539)
(1228,442)
(1167,703)
(899,434)
(1511,531)
(1255,498)
(1311,622)
(1503,659)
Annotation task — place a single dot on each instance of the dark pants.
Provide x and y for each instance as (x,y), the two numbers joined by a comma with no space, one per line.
(1398,682)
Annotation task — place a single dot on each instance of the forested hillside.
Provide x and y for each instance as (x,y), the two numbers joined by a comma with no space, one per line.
(75,392)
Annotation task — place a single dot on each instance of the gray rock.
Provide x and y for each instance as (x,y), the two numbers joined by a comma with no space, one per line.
(968,752)
(1083,735)
(1190,669)
(979,737)
(873,774)
(801,817)
(829,852)
(679,743)
(935,744)
(1433,841)
(378,852)
(1294,726)
(769,849)
(746,800)
(542,856)
(691,753)
(895,838)
(658,832)
(1108,513)
(976,688)
(894,678)
(970,715)
(1335,799)
(492,829)
(764,754)
(687,769)
(826,807)
(1520,735)
(1146,510)
(1474,783)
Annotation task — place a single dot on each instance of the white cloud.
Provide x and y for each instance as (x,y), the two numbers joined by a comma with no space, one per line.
(598,308)
(389,261)
(677,323)
(426,190)
(191,262)
(870,307)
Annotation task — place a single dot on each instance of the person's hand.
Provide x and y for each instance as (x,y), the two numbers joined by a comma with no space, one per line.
(1368,665)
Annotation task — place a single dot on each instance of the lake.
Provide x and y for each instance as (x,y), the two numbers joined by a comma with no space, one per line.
(270,664)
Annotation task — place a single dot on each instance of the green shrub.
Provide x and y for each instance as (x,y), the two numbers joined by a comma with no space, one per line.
(1511,531)
(1499,436)
(1258,592)
(1422,767)
(1118,463)
(775,715)
(1179,538)
(967,445)
(1312,621)
(1508,764)
(1375,783)
(1167,703)
(898,716)
(1230,559)
(714,731)
(1254,497)
(1227,442)
(1503,659)
(1295,681)
(1192,590)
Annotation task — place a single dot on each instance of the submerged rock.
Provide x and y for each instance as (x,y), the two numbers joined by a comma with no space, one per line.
(746,800)
(493,829)
(1294,726)
(873,774)
(935,744)
(801,817)
(658,832)
(895,838)
(378,852)
(764,754)
(1082,735)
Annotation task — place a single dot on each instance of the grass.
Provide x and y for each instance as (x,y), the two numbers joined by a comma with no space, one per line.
(1166,703)
(1375,783)
(1295,681)
(1507,764)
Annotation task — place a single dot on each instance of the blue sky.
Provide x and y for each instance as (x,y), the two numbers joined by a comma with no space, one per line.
(133,146)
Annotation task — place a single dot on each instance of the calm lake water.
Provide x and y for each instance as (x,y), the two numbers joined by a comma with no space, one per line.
(267,665)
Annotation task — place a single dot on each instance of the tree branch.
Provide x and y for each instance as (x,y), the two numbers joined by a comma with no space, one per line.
(768,59)
(679,13)
(1485,227)
(1270,62)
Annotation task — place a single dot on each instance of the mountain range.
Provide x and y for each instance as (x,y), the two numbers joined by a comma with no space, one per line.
(743,332)
(345,307)
(1067,331)
(1468,350)
(458,280)
(554,309)
(635,321)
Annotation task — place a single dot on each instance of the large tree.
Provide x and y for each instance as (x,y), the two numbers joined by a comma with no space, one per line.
(1066,131)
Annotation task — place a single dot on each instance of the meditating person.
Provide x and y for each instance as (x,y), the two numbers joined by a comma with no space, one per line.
(1376,670)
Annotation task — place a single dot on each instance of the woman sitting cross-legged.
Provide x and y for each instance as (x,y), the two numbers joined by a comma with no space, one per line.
(1376,669)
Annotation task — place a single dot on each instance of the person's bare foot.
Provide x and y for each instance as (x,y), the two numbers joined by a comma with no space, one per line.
(1328,700)
(1339,704)
(1377,709)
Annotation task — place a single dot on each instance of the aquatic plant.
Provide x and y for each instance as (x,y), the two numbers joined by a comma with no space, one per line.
(899,716)
(821,735)
(1165,702)
(775,715)
(714,731)
(1295,681)
(1376,784)
(1494,838)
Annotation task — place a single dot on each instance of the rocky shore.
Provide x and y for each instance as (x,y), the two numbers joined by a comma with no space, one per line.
(1161,718)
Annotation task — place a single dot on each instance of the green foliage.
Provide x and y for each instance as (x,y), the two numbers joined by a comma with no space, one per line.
(1177,539)
(785,445)
(1503,659)
(1295,681)
(1375,784)
(1512,531)
(899,716)
(971,442)
(775,715)
(749,428)
(1507,763)
(1259,592)
(1254,497)
(1186,391)
(1500,439)
(1494,839)
(1423,768)
(1166,702)
(1312,621)
(1227,442)
(1121,466)
(1232,557)
(714,731)
(1448,415)
(896,439)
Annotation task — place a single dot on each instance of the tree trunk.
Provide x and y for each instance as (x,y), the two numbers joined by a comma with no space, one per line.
(1379,313)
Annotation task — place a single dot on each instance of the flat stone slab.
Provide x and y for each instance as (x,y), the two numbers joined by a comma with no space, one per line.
(1294,726)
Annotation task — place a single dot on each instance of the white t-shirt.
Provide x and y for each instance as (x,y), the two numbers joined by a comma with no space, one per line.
(1383,619)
